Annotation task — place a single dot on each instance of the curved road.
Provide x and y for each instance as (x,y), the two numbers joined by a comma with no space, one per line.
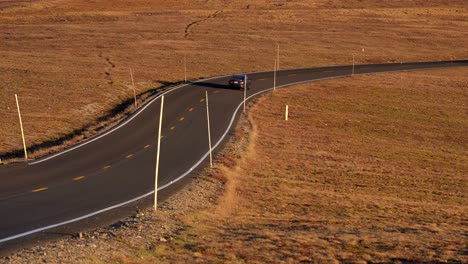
(117,167)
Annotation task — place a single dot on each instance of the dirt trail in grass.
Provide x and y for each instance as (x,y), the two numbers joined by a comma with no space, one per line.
(68,59)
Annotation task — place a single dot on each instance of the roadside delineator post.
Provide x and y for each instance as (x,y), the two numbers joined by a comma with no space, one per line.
(133,86)
(287,113)
(274,75)
(209,130)
(157,155)
(245,89)
(277,54)
(22,131)
(185,68)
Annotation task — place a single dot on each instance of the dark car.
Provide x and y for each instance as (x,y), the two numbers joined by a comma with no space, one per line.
(237,81)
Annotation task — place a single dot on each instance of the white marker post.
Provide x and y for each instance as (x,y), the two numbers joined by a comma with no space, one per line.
(277,55)
(133,86)
(245,89)
(185,68)
(353,66)
(157,156)
(209,131)
(286,114)
(274,76)
(22,131)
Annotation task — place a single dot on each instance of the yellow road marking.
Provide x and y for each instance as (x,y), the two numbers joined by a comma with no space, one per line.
(147,146)
(172,128)
(216,92)
(129,156)
(40,189)
(292,74)
(181,119)
(202,100)
(162,136)
(191,109)
(106,167)
(78,178)
(261,79)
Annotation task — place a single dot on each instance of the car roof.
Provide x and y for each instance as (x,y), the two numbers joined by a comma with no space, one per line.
(238,76)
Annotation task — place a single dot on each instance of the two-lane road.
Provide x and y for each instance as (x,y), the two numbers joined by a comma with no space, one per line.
(117,167)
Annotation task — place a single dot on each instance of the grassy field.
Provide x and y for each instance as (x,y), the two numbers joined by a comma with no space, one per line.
(367,168)
(69,60)
(370,168)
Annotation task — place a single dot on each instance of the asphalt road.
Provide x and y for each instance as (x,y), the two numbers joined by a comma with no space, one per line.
(117,167)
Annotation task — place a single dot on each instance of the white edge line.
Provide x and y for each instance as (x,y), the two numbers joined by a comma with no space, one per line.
(188,171)
(121,124)
(160,188)
(187,84)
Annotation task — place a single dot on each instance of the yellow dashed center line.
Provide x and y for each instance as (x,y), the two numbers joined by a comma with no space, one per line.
(191,109)
(78,178)
(147,146)
(106,167)
(172,128)
(202,100)
(129,156)
(261,79)
(216,92)
(181,119)
(40,189)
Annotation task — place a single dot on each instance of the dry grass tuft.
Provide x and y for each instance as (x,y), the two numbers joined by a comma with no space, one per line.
(227,161)
(218,176)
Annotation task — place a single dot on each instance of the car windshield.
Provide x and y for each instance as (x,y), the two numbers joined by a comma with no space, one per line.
(238,77)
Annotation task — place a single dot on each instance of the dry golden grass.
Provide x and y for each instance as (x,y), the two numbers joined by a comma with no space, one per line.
(373,169)
(69,60)
(369,168)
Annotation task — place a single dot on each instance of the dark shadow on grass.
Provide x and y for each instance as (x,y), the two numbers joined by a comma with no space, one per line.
(98,125)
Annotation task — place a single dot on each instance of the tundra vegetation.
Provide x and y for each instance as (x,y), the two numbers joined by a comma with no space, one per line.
(367,168)
(69,61)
